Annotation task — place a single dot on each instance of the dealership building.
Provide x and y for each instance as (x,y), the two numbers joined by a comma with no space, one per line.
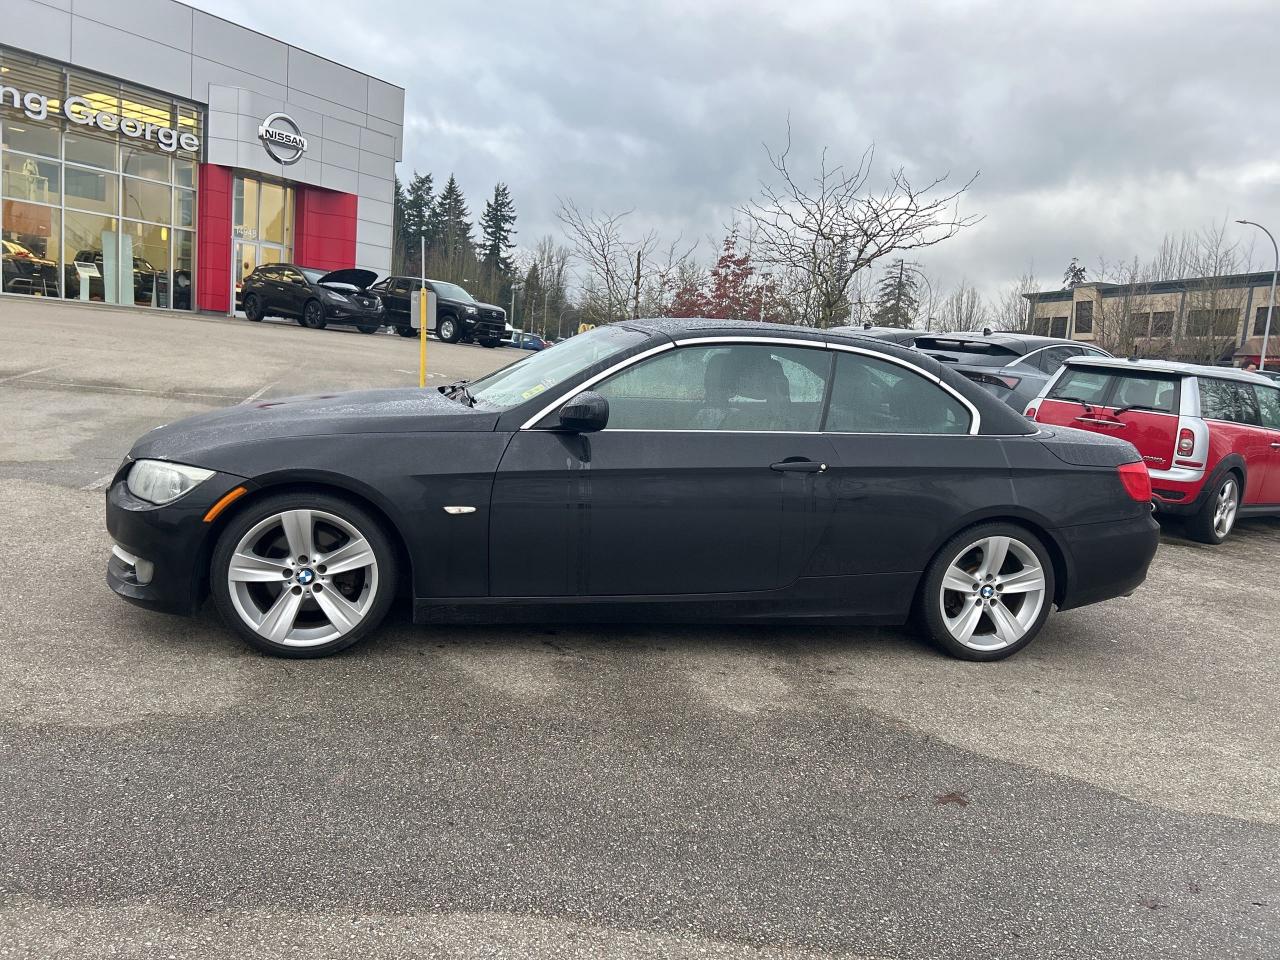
(152,154)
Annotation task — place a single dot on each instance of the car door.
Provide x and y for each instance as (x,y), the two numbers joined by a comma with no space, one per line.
(1235,425)
(292,290)
(907,468)
(1269,412)
(704,481)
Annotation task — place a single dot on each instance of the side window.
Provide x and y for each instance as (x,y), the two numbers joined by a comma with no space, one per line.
(876,396)
(1269,406)
(1050,360)
(266,273)
(1228,400)
(289,275)
(726,387)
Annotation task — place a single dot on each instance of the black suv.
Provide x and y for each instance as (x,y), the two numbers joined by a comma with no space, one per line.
(315,298)
(458,315)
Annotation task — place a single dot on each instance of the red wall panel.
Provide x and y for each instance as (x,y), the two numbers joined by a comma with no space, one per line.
(324,228)
(213,239)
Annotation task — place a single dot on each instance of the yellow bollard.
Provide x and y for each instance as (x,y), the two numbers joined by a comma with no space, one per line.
(422,336)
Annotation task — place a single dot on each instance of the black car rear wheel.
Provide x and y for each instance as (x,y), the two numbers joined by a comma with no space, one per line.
(988,592)
(253,308)
(303,574)
(406,331)
(313,315)
(450,331)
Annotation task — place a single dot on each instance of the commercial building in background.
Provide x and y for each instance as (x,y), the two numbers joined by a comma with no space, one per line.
(1203,319)
(152,154)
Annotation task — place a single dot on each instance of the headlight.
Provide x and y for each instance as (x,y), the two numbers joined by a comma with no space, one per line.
(157,481)
(471,309)
(335,296)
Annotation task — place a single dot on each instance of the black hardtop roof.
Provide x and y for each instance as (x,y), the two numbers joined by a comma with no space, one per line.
(1016,342)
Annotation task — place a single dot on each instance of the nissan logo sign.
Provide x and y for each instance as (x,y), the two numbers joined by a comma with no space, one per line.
(282,138)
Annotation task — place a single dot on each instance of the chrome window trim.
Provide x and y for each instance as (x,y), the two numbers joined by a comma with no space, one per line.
(975,422)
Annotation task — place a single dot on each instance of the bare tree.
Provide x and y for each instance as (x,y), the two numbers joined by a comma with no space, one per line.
(822,231)
(624,276)
(962,309)
(1011,308)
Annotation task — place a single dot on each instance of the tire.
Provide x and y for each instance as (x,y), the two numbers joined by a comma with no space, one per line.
(489,343)
(313,316)
(367,328)
(253,308)
(1000,628)
(406,331)
(254,601)
(1216,518)
(449,330)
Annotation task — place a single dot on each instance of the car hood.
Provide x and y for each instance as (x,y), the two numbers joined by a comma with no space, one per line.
(362,279)
(406,410)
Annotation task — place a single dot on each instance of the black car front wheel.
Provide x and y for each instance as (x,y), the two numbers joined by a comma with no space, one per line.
(313,315)
(406,331)
(450,331)
(303,574)
(253,308)
(988,592)
(369,328)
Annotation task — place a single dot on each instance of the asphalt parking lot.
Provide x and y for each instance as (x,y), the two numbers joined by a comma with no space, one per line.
(637,791)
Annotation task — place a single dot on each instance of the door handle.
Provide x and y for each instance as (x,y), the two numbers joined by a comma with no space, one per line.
(798,466)
(1275,446)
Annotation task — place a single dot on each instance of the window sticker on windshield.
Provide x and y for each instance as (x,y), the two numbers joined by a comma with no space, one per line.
(533,391)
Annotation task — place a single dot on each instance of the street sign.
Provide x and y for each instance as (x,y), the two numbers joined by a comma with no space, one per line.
(415,314)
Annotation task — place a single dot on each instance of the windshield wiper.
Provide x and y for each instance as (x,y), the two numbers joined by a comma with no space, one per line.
(1136,406)
(453,390)
(1084,403)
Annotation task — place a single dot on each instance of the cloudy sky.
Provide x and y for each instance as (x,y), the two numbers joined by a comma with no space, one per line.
(1097,127)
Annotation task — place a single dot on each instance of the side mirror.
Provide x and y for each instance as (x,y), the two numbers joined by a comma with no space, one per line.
(585,413)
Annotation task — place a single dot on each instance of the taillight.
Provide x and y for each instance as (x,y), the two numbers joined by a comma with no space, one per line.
(1030,413)
(1186,442)
(1136,480)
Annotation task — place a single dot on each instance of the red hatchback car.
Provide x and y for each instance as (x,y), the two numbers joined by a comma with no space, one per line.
(1210,436)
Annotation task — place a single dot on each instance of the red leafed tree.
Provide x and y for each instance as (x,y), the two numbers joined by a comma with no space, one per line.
(732,290)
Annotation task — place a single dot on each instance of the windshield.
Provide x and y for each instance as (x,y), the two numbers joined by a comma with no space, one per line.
(451,291)
(546,369)
(313,275)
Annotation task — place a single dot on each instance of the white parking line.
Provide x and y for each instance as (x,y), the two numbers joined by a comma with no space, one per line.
(254,396)
(32,373)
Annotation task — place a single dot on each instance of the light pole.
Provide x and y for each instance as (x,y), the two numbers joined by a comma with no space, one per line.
(1266,331)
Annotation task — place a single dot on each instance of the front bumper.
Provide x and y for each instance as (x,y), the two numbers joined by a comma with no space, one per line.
(173,540)
(1107,560)
(353,313)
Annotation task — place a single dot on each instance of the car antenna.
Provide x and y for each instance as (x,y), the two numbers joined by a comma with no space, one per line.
(986,331)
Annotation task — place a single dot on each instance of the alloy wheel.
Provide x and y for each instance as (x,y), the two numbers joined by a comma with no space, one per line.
(992,593)
(446,330)
(312,315)
(303,578)
(1228,504)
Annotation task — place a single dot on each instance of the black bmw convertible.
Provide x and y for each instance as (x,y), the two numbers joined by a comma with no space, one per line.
(674,470)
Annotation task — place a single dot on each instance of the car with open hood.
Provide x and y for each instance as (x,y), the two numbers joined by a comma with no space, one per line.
(644,470)
(315,298)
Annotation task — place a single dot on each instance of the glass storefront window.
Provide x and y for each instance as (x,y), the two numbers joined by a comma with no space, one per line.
(184,172)
(144,200)
(184,208)
(30,178)
(144,162)
(29,249)
(272,213)
(244,212)
(28,136)
(91,151)
(92,189)
(92,241)
(184,260)
(144,264)
(122,206)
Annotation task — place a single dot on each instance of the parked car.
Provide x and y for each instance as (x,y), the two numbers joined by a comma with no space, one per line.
(150,283)
(1013,367)
(710,470)
(21,271)
(529,341)
(1210,436)
(315,298)
(896,335)
(458,315)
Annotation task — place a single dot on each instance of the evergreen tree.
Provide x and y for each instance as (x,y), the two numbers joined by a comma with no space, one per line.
(449,225)
(497,226)
(418,204)
(897,298)
(399,241)
(1074,276)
